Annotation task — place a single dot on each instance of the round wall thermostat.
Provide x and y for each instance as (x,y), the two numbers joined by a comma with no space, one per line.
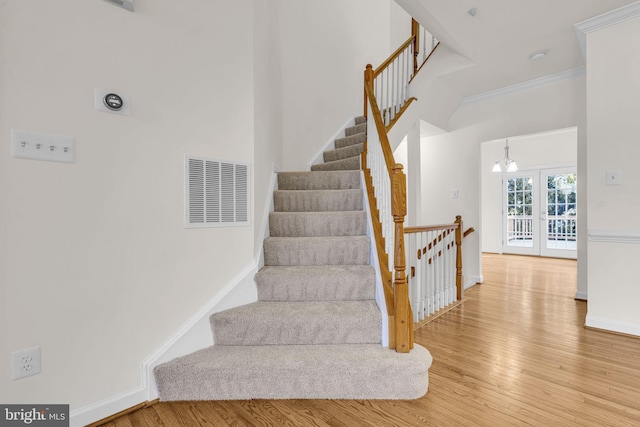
(113,102)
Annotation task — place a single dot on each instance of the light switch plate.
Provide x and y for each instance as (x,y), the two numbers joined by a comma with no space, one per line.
(613,177)
(42,146)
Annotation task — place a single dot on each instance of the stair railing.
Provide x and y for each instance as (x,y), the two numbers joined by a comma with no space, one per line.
(385,99)
(386,186)
(391,79)
(424,44)
(434,258)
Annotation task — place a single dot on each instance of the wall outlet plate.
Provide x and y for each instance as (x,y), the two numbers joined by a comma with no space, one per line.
(25,362)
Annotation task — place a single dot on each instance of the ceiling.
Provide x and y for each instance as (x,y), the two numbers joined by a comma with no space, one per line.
(503,34)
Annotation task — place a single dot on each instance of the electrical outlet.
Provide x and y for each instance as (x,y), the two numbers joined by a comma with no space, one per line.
(25,362)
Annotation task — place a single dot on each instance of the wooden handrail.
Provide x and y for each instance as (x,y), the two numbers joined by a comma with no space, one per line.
(396,295)
(446,229)
(377,117)
(420,229)
(393,56)
(383,259)
(395,283)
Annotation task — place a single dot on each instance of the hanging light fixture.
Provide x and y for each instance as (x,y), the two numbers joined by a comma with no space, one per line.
(506,164)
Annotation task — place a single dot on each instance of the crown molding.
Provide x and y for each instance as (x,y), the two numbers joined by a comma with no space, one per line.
(529,84)
(605,20)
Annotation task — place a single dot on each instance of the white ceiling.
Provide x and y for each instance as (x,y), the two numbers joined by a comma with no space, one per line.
(504,33)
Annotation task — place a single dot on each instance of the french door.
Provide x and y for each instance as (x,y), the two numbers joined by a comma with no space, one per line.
(539,213)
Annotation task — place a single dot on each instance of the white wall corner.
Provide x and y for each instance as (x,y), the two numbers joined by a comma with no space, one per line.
(613,326)
(607,19)
(329,145)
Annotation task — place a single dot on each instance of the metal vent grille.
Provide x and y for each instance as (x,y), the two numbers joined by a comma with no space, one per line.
(217,193)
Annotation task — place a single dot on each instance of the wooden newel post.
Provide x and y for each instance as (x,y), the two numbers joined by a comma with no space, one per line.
(415,33)
(368,80)
(403,318)
(459,284)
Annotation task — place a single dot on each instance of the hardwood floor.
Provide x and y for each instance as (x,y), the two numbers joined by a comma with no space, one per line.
(514,353)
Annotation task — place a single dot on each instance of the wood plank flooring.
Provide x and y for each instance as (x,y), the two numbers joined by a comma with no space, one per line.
(514,353)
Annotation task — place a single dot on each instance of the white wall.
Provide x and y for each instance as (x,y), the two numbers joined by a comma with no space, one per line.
(96,266)
(268,107)
(325,48)
(613,66)
(531,152)
(400,26)
(452,161)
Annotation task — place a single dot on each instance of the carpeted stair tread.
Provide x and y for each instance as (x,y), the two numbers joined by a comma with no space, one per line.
(316,283)
(319,180)
(346,141)
(316,224)
(351,163)
(298,322)
(328,250)
(356,371)
(343,153)
(355,129)
(315,331)
(317,200)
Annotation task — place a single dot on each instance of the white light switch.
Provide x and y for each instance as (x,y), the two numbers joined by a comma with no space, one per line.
(454,194)
(41,146)
(614,177)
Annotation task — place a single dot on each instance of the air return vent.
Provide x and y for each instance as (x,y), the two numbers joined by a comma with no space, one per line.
(217,193)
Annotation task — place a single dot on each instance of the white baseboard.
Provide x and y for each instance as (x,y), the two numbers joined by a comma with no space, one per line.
(612,325)
(107,407)
(477,279)
(469,285)
(193,335)
(329,145)
(581,295)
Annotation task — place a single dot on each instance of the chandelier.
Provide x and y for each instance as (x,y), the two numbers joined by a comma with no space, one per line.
(506,164)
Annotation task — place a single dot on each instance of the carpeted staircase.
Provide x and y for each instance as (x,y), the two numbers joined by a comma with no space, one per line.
(315,331)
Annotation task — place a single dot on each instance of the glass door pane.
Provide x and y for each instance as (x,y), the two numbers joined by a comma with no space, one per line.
(560,216)
(521,225)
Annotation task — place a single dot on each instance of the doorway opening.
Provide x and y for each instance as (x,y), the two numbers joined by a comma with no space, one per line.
(540,213)
(532,211)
